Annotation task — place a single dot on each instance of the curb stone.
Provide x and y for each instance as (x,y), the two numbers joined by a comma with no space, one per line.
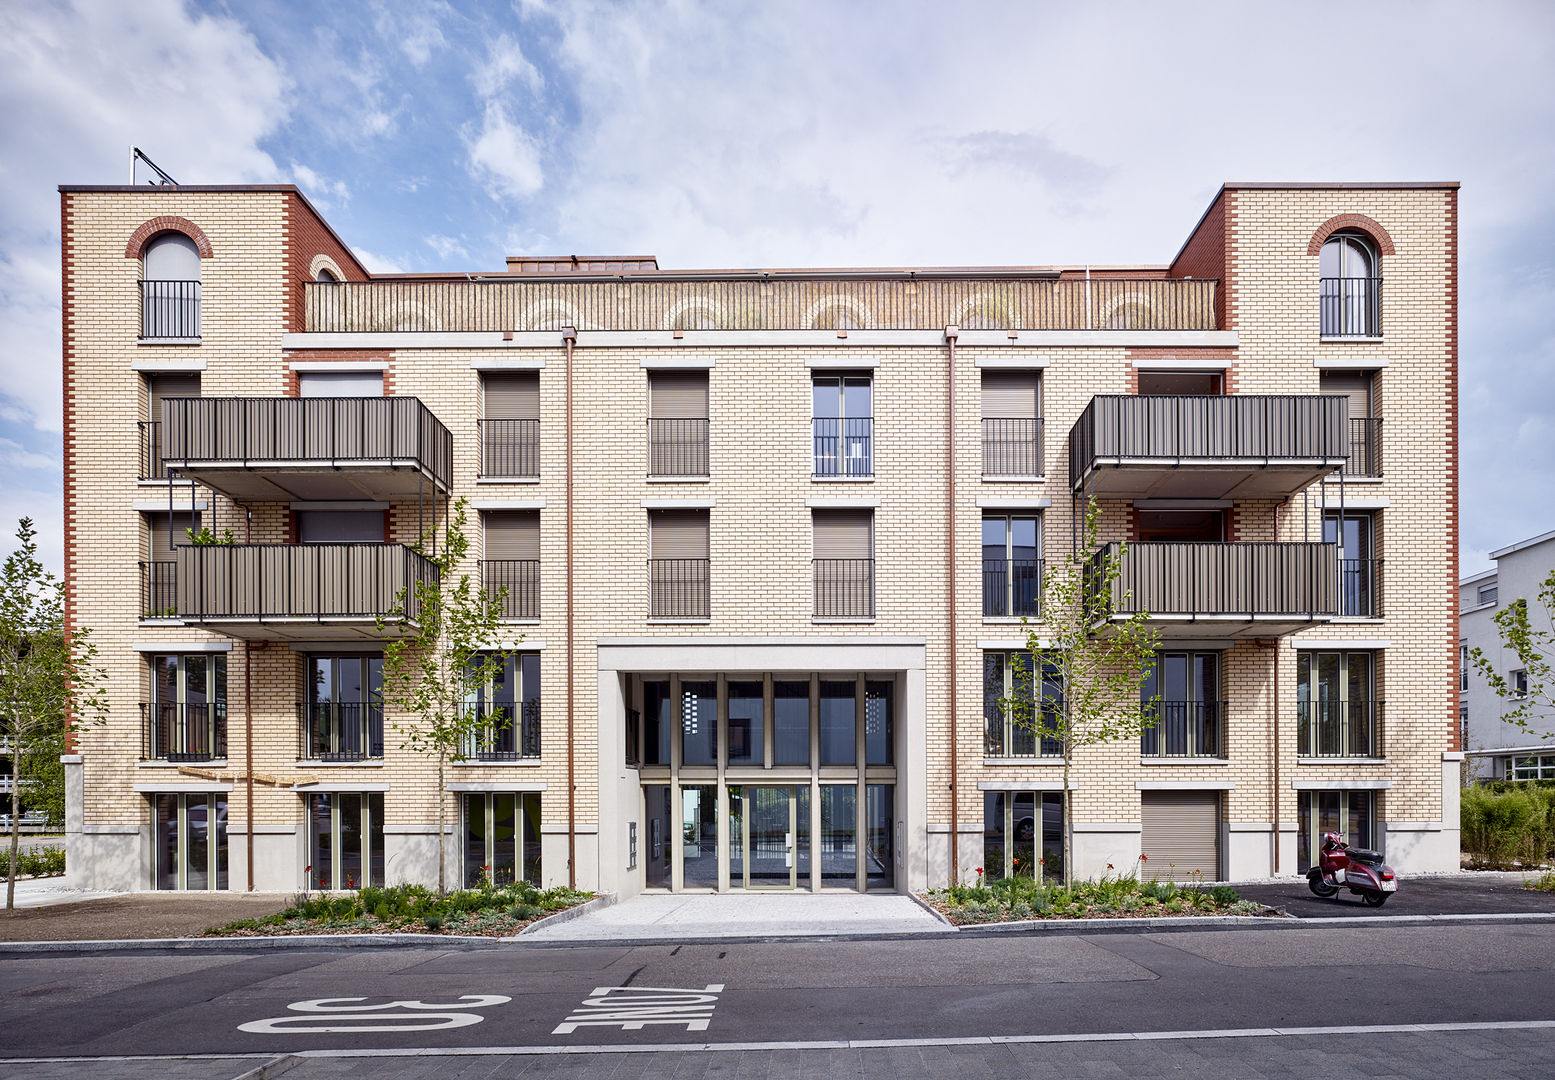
(556,918)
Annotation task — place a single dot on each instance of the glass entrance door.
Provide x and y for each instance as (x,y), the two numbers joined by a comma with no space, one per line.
(773,838)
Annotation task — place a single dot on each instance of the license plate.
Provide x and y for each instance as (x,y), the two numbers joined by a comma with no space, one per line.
(1390,886)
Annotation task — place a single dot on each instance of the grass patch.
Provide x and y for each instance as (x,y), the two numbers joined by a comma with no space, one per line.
(489,911)
(1017,898)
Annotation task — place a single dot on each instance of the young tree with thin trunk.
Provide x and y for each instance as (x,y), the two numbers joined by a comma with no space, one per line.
(433,670)
(46,680)
(1533,642)
(1100,665)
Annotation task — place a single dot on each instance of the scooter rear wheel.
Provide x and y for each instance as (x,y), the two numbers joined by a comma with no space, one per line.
(1374,899)
(1319,887)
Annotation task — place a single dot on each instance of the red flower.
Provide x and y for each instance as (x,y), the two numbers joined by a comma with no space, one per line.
(979,869)
(1144,858)
(1109,866)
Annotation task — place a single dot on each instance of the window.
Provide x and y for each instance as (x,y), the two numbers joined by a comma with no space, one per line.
(1351,814)
(1489,594)
(1012,567)
(1463,727)
(1364,454)
(335,384)
(791,722)
(747,729)
(1180,383)
(1010,732)
(1337,713)
(842,424)
(510,426)
(1533,767)
(510,571)
(1185,689)
(1019,828)
(1012,425)
(698,722)
(160,388)
(1359,573)
(186,718)
(843,565)
(1463,666)
(159,571)
(343,717)
(509,708)
(1350,290)
(190,851)
(838,721)
(677,423)
(340,526)
(658,722)
(345,839)
(502,837)
(1518,681)
(327,277)
(170,289)
(678,565)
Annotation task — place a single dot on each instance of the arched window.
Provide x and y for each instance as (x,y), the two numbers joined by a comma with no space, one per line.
(327,278)
(170,288)
(1350,287)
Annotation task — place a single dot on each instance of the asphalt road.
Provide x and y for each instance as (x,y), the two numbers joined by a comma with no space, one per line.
(1480,894)
(55,1005)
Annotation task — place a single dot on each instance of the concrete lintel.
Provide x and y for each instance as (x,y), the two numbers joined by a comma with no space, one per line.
(342,366)
(1331,644)
(1108,827)
(507,504)
(342,785)
(181,646)
(167,366)
(679,504)
(1341,785)
(179,503)
(676,363)
(1184,785)
(496,785)
(1024,362)
(174,787)
(1350,363)
(842,504)
(1014,504)
(1184,363)
(510,363)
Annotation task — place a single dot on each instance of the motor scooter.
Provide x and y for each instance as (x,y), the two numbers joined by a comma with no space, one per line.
(1357,869)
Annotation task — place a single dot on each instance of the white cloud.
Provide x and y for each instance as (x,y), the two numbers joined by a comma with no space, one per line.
(319,189)
(503,157)
(504,62)
(417,30)
(14,455)
(378,264)
(446,246)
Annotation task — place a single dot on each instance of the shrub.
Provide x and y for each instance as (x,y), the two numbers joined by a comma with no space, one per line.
(434,923)
(1502,829)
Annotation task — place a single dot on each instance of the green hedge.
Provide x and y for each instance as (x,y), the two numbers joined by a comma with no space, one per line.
(39,862)
(1508,826)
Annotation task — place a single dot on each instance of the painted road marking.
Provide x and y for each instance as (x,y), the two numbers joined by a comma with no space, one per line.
(631,1008)
(324,1015)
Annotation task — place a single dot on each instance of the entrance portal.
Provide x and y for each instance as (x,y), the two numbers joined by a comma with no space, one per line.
(770,837)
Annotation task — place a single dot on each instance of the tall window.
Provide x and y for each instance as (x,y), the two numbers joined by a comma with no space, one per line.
(160,388)
(1350,293)
(345,839)
(501,838)
(1359,573)
(1351,814)
(190,850)
(159,571)
(1020,828)
(510,425)
(170,288)
(1011,732)
(844,564)
(1185,689)
(1338,713)
(1012,425)
(343,717)
(186,718)
(678,565)
(509,710)
(1364,454)
(677,423)
(843,426)
(1012,568)
(511,567)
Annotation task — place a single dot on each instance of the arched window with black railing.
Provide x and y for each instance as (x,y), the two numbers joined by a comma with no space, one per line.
(170,289)
(1349,287)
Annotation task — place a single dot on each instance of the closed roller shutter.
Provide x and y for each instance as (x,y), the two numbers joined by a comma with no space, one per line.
(677,395)
(843,534)
(512,534)
(171,386)
(1009,394)
(1355,385)
(1181,834)
(512,397)
(161,546)
(677,534)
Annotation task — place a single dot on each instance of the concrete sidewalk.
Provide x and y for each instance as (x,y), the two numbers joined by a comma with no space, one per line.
(662,917)
(42,892)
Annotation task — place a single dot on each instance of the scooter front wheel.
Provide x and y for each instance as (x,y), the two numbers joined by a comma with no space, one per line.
(1320,887)
(1374,898)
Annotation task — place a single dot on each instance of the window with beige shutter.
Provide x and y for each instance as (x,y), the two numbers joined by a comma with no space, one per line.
(510,425)
(510,570)
(160,388)
(844,564)
(677,423)
(1365,434)
(678,564)
(159,570)
(1012,425)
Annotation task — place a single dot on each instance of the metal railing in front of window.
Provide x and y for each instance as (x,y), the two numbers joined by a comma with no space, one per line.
(677,447)
(504,736)
(678,588)
(1012,587)
(1365,458)
(182,731)
(844,446)
(509,448)
(1339,729)
(1184,729)
(1012,446)
(292,581)
(340,730)
(521,579)
(1360,588)
(151,466)
(1350,307)
(1007,737)
(844,588)
(169,309)
(159,590)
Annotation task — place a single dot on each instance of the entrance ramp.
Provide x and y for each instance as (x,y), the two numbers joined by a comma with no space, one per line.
(651,918)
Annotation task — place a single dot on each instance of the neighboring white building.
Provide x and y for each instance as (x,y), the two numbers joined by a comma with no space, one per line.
(1499,750)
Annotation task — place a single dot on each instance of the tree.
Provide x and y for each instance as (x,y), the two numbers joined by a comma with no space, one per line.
(47,680)
(1534,646)
(443,656)
(1100,664)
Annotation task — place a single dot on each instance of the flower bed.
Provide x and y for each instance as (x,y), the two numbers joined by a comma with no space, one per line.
(488,911)
(1017,898)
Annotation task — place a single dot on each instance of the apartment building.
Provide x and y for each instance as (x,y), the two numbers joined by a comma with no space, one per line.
(1498,750)
(765,540)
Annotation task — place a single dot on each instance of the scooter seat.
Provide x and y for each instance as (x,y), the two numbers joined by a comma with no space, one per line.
(1362,855)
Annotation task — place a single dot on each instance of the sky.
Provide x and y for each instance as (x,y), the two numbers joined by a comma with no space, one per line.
(446,136)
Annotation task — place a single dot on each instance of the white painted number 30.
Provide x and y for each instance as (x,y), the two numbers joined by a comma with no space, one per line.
(340,1014)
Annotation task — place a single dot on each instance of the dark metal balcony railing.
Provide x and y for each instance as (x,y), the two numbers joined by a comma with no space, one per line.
(843,447)
(677,447)
(1257,427)
(521,579)
(1350,307)
(1201,578)
(1365,458)
(1339,728)
(255,431)
(1012,446)
(678,588)
(1010,737)
(158,590)
(1012,587)
(169,309)
(358,581)
(339,730)
(764,301)
(844,588)
(151,466)
(504,736)
(510,448)
(182,731)
(1184,729)
(1360,588)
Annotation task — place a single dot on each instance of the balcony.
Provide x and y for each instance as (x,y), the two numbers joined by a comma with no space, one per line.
(1224,590)
(264,449)
(678,589)
(1185,729)
(510,449)
(844,588)
(1242,446)
(1365,455)
(1360,588)
(311,592)
(1012,446)
(1341,729)
(182,731)
(1012,588)
(1350,307)
(503,736)
(843,447)
(339,730)
(170,311)
(677,447)
(516,582)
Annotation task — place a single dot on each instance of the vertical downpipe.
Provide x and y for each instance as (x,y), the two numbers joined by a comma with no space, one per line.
(951,333)
(248,723)
(569,339)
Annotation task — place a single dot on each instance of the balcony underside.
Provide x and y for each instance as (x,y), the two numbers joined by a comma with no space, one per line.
(1227,627)
(1203,478)
(302,628)
(283,481)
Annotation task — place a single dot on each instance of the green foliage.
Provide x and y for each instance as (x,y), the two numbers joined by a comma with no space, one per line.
(1026,898)
(206,538)
(1534,646)
(39,862)
(1509,828)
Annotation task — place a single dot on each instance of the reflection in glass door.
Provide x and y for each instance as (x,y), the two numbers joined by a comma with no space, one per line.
(770,834)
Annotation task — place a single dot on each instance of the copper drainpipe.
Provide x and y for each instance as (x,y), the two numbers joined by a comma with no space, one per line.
(951,334)
(569,339)
(248,724)
(1274,760)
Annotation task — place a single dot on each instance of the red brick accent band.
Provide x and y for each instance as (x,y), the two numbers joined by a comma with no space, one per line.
(159,225)
(1359,222)
(68,376)
(1450,525)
